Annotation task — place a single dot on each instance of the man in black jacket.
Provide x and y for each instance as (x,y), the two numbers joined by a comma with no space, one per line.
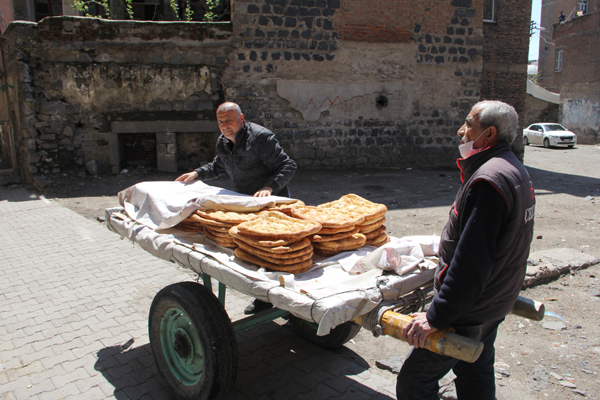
(250,154)
(252,157)
(482,258)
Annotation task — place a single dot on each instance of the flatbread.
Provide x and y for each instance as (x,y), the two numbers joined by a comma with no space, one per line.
(227,217)
(189,227)
(355,205)
(281,258)
(234,232)
(337,236)
(379,240)
(331,231)
(220,234)
(205,221)
(375,233)
(327,217)
(294,268)
(285,208)
(353,242)
(372,226)
(328,253)
(291,248)
(220,241)
(273,225)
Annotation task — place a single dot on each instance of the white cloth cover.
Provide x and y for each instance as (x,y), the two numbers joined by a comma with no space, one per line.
(336,290)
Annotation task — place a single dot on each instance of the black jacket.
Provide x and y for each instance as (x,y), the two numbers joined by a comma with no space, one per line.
(485,244)
(256,160)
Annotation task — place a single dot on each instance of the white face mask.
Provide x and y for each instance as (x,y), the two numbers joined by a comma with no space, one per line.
(467,150)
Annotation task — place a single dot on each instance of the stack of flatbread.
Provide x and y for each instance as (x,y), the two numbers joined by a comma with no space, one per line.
(275,241)
(216,224)
(285,208)
(373,225)
(339,230)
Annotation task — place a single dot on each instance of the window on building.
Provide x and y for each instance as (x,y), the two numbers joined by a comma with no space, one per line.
(559,60)
(582,6)
(489,10)
(47,8)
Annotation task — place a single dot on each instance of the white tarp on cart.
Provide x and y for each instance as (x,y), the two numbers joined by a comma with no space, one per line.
(334,291)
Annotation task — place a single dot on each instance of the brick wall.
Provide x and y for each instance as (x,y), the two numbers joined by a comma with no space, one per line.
(505,57)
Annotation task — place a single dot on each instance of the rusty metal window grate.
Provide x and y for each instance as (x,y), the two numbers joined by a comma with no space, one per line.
(489,11)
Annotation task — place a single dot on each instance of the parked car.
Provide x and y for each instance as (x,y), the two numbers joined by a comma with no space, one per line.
(549,134)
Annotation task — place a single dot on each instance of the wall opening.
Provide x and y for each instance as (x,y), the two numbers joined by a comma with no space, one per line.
(138,149)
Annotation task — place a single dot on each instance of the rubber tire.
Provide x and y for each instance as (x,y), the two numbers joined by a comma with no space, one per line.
(336,338)
(571,146)
(214,332)
(546,143)
(525,141)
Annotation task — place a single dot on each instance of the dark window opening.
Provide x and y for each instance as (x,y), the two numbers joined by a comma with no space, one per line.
(138,149)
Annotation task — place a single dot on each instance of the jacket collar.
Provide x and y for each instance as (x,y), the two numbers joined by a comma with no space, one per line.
(468,166)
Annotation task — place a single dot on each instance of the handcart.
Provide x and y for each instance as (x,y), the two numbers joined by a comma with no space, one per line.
(193,339)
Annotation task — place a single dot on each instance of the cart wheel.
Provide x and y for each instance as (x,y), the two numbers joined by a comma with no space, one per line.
(336,338)
(192,341)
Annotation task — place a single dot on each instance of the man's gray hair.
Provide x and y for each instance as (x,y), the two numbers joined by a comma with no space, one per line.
(501,115)
(228,107)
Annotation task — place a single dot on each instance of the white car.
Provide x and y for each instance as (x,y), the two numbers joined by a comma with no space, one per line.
(549,134)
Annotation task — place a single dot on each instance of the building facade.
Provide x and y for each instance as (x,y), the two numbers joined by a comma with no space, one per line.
(343,84)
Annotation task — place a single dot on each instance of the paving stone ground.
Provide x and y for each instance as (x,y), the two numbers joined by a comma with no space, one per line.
(74,303)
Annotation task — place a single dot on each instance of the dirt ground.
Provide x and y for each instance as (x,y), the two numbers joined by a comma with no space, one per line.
(533,361)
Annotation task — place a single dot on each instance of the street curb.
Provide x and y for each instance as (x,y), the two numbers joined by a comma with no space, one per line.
(547,265)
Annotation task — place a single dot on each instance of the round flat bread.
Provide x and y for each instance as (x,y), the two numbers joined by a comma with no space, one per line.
(337,236)
(227,217)
(331,231)
(372,226)
(220,234)
(379,240)
(189,227)
(205,221)
(328,253)
(293,269)
(220,241)
(285,207)
(352,204)
(283,258)
(327,217)
(353,242)
(272,225)
(375,233)
(234,231)
(292,248)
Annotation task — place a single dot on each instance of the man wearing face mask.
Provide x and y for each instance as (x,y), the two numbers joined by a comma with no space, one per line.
(482,258)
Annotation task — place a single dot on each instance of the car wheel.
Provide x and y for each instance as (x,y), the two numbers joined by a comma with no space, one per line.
(570,146)
(525,141)
(193,342)
(546,143)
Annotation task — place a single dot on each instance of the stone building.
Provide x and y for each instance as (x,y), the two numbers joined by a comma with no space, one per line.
(343,84)
(568,64)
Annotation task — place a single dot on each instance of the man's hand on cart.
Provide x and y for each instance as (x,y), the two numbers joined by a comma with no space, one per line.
(264,192)
(417,329)
(187,177)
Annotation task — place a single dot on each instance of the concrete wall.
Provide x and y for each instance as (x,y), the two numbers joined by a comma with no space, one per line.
(358,83)
(537,110)
(78,77)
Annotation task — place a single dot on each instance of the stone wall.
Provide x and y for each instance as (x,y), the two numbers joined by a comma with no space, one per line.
(537,110)
(505,57)
(358,83)
(83,82)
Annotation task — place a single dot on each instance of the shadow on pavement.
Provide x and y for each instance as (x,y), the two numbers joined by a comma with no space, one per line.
(273,362)
(549,182)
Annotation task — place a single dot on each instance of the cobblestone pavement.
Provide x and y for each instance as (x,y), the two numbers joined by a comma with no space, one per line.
(74,302)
